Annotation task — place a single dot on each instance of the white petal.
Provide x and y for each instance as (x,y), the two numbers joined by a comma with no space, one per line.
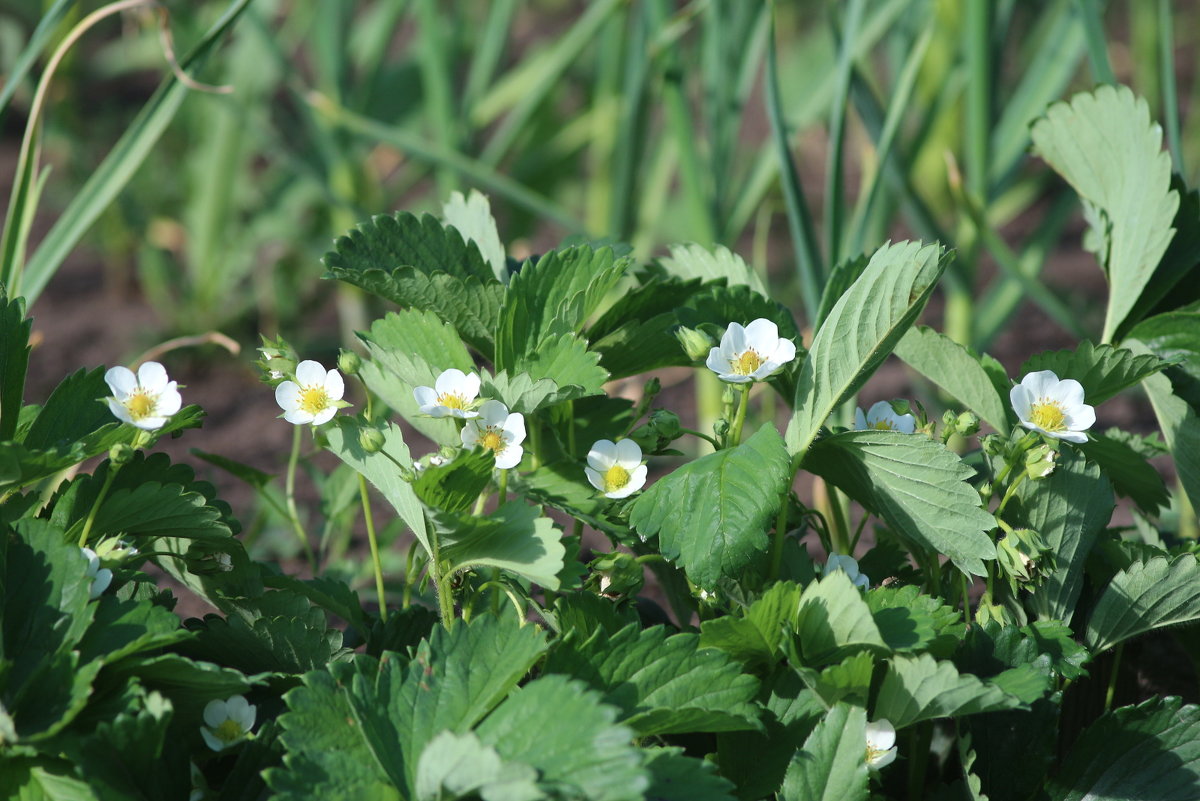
(594,478)
(287,395)
(121,381)
(470,434)
(310,373)
(100,583)
(1069,392)
(1078,437)
(881,735)
(470,387)
(335,386)
(766,369)
(436,410)
(905,423)
(514,426)
(450,381)
(150,423)
(1022,401)
(784,352)
(603,455)
(169,400)
(1080,418)
(211,741)
(297,417)
(1041,383)
(884,759)
(215,713)
(462,414)
(734,378)
(763,336)
(426,398)
(637,479)
(246,717)
(509,456)
(152,376)
(717,361)
(119,411)
(860,419)
(629,454)
(493,413)
(324,416)
(734,340)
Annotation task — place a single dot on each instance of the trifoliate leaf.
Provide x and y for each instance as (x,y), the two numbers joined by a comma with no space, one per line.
(1144,596)
(121,628)
(472,217)
(524,395)
(848,680)
(834,621)
(1146,751)
(959,371)
(911,621)
(514,538)
(917,485)
(917,688)
(663,685)
(1069,508)
(832,765)
(711,515)
(695,261)
(755,635)
(863,328)
(1106,146)
(457,766)
(1103,370)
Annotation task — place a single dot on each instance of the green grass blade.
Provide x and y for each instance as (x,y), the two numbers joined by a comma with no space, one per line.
(1166,45)
(835,190)
(475,172)
(433,48)
(121,163)
(1093,25)
(37,43)
(977,44)
(629,149)
(488,51)
(800,224)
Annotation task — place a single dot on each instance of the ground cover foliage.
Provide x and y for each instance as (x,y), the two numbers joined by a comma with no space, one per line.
(508,667)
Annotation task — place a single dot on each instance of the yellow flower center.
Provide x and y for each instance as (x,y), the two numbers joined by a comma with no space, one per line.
(747,362)
(492,441)
(451,401)
(1048,415)
(313,400)
(228,731)
(883,425)
(874,753)
(615,478)
(140,404)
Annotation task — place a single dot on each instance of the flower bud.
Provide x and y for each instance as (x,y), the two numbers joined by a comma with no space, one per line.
(349,362)
(619,573)
(277,361)
(696,344)
(1040,461)
(371,440)
(967,424)
(121,453)
(666,423)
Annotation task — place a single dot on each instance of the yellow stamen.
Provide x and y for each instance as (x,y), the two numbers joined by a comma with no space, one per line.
(228,731)
(492,441)
(313,399)
(747,362)
(140,404)
(883,425)
(451,401)
(1048,415)
(615,478)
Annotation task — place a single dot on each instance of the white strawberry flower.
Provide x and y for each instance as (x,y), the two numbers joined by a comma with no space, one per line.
(101,576)
(881,744)
(314,397)
(1053,407)
(750,354)
(452,394)
(495,430)
(228,722)
(849,566)
(146,400)
(615,468)
(882,417)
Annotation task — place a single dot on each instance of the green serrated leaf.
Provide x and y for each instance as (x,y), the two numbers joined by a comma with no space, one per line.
(711,515)
(834,621)
(14,361)
(958,371)
(862,329)
(566,360)
(43,779)
(513,538)
(563,486)
(676,777)
(832,765)
(663,685)
(285,645)
(1175,337)
(1173,282)
(916,484)
(848,680)
(755,635)
(917,688)
(1106,146)
(454,766)
(695,261)
(1180,425)
(1131,475)
(1144,596)
(1103,370)
(472,217)
(1146,751)
(524,395)
(455,485)
(121,628)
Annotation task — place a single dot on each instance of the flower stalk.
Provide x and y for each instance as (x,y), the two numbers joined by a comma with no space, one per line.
(290,494)
(377,564)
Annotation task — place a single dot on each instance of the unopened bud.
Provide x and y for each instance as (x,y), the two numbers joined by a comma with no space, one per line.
(349,362)
(666,423)
(696,344)
(967,424)
(121,453)
(371,440)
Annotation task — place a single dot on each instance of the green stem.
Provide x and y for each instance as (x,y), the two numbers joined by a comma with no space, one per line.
(735,434)
(91,518)
(571,429)
(918,759)
(409,562)
(705,437)
(290,493)
(966,598)
(1112,677)
(1012,489)
(502,488)
(378,565)
(441,583)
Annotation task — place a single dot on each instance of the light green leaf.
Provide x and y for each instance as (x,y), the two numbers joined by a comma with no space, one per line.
(513,538)
(912,621)
(1175,337)
(382,469)
(918,688)
(832,765)
(455,766)
(958,371)
(565,360)
(711,515)
(663,685)
(1146,751)
(1180,426)
(1116,453)
(754,635)
(1106,146)
(695,261)
(835,621)
(563,730)
(1069,508)
(1144,596)
(848,680)
(472,217)
(1103,370)
(523,395)
(863,328)
(917,485)
(42,780)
